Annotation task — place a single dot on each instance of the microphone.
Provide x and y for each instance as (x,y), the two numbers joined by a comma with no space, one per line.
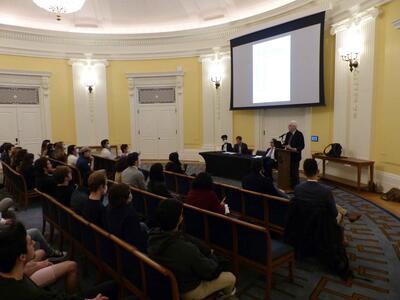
(282,135)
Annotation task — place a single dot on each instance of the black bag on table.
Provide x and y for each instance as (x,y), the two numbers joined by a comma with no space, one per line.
(335,150)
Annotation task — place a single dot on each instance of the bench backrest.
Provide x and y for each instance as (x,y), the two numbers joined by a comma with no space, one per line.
(255,207)
(76,174)
(131,269)
(15,184)
(106,164)
(242,242)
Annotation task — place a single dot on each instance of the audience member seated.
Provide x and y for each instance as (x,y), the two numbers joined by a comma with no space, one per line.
(312,225)
(64,189)
(78,199)
(240,147)
(313,192)
(202,195)
(132,175)
(226,146)
(85,164)
(59,152)
(93,208)
(5,152)
(120,165)
(27,170)
(194,265)
(124,150)
(44,181)
(106,150)
(156,184)
(72,155)
(256,181)
(270,159)
(16,250)
(43,149)
(18,157)
(6,204)
(174,164)
(50,150)
(53,255)
(122,219)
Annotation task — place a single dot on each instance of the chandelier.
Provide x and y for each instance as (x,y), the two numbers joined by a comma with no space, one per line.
(60,7)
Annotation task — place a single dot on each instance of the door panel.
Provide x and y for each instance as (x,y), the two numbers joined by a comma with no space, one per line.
(158,130)
(167,132)
(30,128)
(8,124)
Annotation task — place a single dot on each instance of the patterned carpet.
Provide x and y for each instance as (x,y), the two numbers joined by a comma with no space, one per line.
(374,252)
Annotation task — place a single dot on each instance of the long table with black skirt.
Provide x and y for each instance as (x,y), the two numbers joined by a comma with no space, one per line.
(227,165)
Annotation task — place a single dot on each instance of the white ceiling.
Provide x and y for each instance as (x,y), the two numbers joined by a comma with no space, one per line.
(136,16)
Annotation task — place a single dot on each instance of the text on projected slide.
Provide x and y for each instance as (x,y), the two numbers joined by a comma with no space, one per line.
(271,70)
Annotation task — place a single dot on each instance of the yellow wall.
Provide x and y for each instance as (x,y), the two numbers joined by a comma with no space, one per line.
(61,91)
(118,100)
(386,139)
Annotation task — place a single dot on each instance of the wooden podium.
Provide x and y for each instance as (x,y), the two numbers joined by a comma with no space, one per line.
(284,161)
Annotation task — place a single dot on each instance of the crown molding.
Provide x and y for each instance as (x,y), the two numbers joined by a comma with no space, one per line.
(157,74)
(187,43)
(358,18)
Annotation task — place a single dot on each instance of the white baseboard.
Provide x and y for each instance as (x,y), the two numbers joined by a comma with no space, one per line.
(385,181)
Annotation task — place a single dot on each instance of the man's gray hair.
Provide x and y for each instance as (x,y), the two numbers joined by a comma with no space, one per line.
(293,122)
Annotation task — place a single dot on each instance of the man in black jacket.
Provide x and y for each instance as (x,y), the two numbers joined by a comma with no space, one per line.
(240,147)
(194,265)
(294,142)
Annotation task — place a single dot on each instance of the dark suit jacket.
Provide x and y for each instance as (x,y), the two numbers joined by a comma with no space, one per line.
(229,147)
(245,149)
(316,195)
(260,184)
(297,141)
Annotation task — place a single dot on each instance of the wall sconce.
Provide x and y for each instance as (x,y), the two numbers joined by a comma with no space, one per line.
(352,58)
(216,73)
(89,78)
(350,52)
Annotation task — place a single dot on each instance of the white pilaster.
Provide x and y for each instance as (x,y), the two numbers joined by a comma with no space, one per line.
(217,116)
(91,112)
(353,102)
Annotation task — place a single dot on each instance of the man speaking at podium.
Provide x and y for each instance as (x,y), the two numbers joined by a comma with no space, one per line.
(294,141)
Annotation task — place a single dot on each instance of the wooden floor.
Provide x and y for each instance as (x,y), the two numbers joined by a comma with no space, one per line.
(393,207)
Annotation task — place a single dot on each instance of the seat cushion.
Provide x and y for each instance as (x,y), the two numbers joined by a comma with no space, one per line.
(279,249)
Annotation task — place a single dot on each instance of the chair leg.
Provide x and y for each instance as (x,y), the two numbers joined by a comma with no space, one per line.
(43,225)
(268,286)
(291,266)
(51,237)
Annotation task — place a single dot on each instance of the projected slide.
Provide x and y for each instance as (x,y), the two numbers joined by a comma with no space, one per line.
(271,70)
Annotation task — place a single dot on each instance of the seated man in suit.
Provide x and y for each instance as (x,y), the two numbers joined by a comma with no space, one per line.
(313,192)
(270,159)
(226,146)
(294,142)
(240,147)
(257,181)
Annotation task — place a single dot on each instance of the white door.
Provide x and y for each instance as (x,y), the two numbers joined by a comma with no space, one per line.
(157,130)
(274,123)
(8,124)
(30,130)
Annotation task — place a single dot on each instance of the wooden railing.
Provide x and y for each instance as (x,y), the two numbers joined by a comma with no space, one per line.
(15,184)
(134,271)
(242,242)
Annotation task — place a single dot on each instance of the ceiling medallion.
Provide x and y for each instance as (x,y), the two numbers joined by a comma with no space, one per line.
(60,7)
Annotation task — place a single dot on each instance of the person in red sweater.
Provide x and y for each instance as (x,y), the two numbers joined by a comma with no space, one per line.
(202,195)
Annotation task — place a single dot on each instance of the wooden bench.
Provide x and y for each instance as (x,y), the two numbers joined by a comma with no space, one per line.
(15,184)
(263,209)
(132,270)
(76,174)
(97,149)
(242,242)
(106,164)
